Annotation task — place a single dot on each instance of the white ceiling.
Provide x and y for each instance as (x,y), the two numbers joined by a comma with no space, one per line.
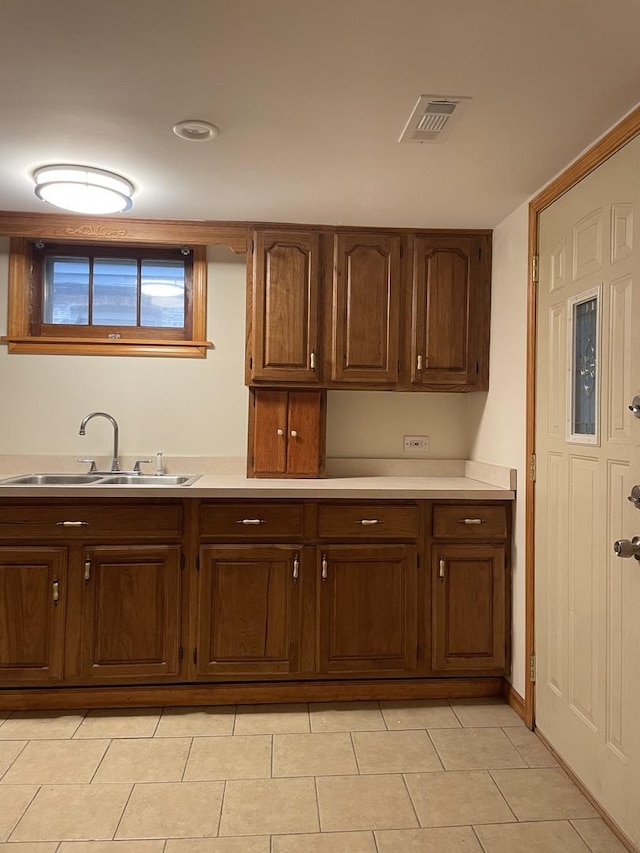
(311,98)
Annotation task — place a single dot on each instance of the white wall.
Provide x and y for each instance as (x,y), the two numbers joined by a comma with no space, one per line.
(193,407)
(497,419)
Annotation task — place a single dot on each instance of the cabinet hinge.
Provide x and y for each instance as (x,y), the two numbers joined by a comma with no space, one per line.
(535,262)
(532,467)
(180,653)
(532,669)
(195,656)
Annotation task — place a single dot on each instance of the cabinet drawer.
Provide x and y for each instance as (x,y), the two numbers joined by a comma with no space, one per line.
(256,521)
(79,521)
(366,521)
(470,521)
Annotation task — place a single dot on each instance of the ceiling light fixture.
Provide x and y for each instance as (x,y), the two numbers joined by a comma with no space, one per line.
(83,189)
(195,130)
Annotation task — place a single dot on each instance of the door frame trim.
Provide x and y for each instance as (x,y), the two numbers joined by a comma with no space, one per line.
(605,147)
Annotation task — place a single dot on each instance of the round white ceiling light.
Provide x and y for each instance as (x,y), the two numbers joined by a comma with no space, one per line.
(83,189)
(195,130)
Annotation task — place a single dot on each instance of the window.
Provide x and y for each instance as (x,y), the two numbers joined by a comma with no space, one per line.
(106,299)
(583,386)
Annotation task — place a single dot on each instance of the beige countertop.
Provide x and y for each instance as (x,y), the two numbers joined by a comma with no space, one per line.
(348,479)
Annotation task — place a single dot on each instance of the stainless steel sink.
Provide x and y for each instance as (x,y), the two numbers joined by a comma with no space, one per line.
(51,480)
(100,480)
(148,480)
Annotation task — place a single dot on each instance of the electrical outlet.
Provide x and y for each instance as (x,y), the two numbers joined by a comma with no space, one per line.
(416,443)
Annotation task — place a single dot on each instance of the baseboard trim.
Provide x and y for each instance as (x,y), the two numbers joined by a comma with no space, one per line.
(613,826)
(147,696)
(514,699)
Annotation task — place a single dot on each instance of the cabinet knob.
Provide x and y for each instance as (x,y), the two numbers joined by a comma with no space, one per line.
(294,433)
(325,567)
(441,572)
(419,363)
(56,590)
(87,569)
(280,432)
(312,360)
(296,566)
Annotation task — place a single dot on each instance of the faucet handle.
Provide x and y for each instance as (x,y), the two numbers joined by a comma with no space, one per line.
(139,462)
(92,462)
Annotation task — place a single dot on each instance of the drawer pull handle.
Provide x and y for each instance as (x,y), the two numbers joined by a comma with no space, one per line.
(312,360)
(296,566)
(471,521)
(72,523)
(251,521)
(419,365)
(441,572)
(87,569)
(369,521)
(325,567)
(56,590)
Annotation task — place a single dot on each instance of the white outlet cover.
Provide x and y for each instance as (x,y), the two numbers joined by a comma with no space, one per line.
(416,443)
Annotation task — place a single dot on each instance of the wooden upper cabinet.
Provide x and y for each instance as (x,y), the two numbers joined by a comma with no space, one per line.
(286,433)
(33,594)
(131,613)
(450,312)
(366,295)
(284,293)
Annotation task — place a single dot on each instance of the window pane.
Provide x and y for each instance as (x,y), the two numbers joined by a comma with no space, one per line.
(66,291)
(163,294)
(585,316)
(115,292)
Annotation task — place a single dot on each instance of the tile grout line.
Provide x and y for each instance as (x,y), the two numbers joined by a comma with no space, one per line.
(186,764)
(10,765)
(413,805)
(355,753)
(99,764)
(315,788)
(115,831)
(26,809)
(438,756)
(222,799)
(473,829)
(157,725)
(375,840)
(272,751)
(504,798)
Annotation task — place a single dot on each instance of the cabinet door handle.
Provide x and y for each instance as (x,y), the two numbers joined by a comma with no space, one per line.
(251,521)
(369,521)
(420,363)
(294,433)
(471,521)
(325,567)
(56,590)
(296,566)
(87,569)
(280,431)
(72,523)
(442,568)
(312,360)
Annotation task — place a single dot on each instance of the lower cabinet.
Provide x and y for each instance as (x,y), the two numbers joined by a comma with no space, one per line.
(131,612)
(367,610)
(469,607)
(248,618)
(33,594)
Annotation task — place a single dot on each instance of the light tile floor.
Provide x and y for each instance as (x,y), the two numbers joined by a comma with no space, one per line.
(367,777)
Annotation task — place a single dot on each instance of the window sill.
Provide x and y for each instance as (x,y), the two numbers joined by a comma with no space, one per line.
(93,346)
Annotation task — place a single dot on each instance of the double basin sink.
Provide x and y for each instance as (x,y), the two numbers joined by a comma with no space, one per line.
(109,479)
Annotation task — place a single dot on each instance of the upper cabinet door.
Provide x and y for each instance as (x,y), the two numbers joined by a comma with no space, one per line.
(450,312)
(284,313)
(366,309)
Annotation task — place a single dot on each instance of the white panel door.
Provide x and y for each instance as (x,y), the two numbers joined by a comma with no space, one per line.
(587,445)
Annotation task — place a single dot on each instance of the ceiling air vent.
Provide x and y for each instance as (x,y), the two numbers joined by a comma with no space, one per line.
(433,117)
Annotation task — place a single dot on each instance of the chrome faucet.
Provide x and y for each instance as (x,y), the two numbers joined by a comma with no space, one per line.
(115,462)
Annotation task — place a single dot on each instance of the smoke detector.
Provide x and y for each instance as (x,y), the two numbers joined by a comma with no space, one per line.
(433,117)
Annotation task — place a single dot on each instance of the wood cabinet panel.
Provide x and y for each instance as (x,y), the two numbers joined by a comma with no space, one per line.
(131,612)
(367,610)
(248,611)
(251,520)
(286,433)
(469,595)
(365,521)
(470,521)
(33,594)
(450,310)
(86,520)
(285,293)
(367,289)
